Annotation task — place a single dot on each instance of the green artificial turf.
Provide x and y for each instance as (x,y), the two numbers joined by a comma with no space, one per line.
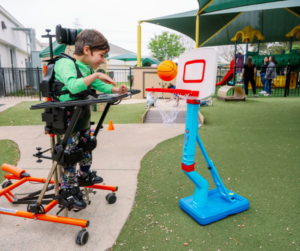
(9,154)
(255,148)
(22,115)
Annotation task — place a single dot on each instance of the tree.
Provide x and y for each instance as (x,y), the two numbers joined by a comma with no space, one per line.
(166,46)
(226,52)
(188,43)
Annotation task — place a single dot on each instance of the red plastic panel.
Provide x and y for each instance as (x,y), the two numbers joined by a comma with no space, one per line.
(175,91)
(199,61)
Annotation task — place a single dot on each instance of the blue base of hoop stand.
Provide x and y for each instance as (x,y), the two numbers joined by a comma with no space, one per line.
(216,209)
(205,206)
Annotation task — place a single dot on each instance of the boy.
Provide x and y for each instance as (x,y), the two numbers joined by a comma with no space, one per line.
(90,49)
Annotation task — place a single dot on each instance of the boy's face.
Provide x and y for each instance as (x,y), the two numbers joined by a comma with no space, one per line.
(95,59)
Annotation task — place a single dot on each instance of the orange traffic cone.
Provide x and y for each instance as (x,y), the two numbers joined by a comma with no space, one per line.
(110,126)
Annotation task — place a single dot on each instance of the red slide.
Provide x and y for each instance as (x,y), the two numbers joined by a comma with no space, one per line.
(229,74)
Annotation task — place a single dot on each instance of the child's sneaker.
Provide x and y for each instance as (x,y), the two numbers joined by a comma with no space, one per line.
(71,197)
(246,96)
(210,102)
(262,92)
(255,96)
(89,177)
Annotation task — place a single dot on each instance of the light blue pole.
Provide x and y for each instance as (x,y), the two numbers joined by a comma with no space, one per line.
(188,158)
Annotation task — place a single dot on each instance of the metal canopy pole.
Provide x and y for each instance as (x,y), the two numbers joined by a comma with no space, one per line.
(139,40)
(235,45)
(247,50)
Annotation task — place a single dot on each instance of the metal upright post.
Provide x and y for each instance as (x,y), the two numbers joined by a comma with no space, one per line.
(246,50)
(291,43)
(257,55)
(38,76)
(287,80)
(234,62)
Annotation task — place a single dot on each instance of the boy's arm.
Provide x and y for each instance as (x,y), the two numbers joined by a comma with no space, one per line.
(66,73)
(108,88)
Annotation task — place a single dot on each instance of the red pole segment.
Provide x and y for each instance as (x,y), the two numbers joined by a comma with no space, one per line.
(13,186)
(45,217)
(50,206)
(10,193)
(8,198)
(109,188)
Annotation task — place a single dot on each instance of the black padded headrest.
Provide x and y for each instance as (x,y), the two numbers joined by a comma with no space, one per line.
(65,36)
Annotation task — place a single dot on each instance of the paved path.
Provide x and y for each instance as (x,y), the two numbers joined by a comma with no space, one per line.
(117,159)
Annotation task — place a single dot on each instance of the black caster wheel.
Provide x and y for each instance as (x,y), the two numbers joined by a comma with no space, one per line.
(6,184)
(111,198)
(82,237)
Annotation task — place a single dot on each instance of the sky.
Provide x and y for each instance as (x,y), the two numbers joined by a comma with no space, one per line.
(117,20)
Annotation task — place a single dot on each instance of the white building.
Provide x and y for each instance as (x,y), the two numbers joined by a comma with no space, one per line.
(14,51)
(118,64)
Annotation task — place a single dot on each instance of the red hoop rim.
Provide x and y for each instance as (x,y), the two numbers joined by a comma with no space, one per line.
(175,91)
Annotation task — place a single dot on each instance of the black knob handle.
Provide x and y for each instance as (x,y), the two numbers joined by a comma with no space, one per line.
(38,148)
(48,30)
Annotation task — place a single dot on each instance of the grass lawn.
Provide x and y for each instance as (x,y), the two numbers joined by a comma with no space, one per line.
(9,153)
(255,146)
(22,115)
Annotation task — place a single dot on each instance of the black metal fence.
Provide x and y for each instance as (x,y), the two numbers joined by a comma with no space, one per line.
(286,84)
(20,82)
(24,82)
(122,76)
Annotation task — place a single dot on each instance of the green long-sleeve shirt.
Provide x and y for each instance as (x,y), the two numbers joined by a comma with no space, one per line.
(65,72)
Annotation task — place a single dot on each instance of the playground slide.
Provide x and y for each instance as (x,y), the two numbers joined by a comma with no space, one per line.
(229,74)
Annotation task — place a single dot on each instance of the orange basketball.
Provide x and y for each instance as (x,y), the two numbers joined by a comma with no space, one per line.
(167,70)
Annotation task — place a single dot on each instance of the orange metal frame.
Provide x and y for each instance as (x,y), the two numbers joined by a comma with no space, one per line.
(16,174)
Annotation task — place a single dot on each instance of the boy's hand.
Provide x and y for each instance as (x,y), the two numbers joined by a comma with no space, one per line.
(122,89)
(106,79)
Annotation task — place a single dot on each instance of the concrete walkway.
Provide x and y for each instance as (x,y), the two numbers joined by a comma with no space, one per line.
(117,159)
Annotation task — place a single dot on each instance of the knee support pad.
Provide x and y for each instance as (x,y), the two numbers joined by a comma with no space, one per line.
(90,145)
(68,157)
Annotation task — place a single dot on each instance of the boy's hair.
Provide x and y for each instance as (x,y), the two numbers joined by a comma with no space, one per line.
(170,86)
(92,38)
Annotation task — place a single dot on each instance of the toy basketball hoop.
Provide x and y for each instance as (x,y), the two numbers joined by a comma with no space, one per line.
(169,111)
(196,80)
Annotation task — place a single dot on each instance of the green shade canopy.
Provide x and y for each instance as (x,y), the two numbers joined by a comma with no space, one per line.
(57,49)
(126,57)
(216,5)
(274,20)
(149,62)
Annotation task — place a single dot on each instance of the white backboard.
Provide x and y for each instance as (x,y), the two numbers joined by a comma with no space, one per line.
(197,70)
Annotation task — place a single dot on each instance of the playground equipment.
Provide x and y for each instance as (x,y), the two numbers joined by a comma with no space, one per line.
(196,78)
(231,73)
(247,35)
(238,93)
(55,116)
